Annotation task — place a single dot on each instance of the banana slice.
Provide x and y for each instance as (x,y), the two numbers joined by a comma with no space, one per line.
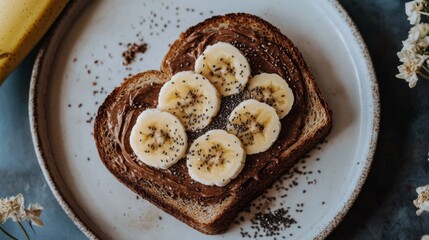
(191,98)
(225,66)
(158,138)
(273,90)
(256,124)
(215,158)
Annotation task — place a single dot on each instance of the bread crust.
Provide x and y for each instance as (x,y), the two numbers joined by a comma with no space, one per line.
(224,212)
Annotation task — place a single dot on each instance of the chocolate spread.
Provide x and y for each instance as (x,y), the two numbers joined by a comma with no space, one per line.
(263,56)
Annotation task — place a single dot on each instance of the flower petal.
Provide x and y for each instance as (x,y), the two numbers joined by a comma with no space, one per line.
(33,213)
(422,201)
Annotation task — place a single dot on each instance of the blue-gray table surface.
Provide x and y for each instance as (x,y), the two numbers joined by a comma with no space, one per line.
(383,210)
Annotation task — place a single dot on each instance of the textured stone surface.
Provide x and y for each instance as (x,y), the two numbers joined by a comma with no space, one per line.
(383,210)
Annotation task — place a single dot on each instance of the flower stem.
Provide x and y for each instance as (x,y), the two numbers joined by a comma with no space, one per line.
(422,74)
(23,230)
(8,234)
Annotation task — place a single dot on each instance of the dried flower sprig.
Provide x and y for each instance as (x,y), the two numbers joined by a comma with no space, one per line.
(414,55)
(13,208)
(422,201)
(415,9)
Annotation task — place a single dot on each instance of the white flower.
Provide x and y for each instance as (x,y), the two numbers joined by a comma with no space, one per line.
(418,35)
(414,10)
(422,29)
(33,213)
(418,39)
(12,208)
(408,71)
(406,55)
(425,237)
(414,54)
(409,45)
(422,201)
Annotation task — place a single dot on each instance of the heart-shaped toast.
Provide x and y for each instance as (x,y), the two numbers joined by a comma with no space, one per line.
(209,208)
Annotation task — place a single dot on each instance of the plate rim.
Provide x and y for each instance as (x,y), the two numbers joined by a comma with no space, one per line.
(375,121)
(39,146)
(71,8)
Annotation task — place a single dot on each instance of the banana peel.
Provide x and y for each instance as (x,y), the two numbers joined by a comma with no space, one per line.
(22,24)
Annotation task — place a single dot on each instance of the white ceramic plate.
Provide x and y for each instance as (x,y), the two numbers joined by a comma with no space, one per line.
(82,62)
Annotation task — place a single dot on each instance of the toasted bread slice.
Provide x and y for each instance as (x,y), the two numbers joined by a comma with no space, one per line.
(211,209)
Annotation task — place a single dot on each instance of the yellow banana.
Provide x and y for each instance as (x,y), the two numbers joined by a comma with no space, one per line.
(22,25)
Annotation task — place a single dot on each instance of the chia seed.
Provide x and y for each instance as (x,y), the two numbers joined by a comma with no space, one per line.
(273,223)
